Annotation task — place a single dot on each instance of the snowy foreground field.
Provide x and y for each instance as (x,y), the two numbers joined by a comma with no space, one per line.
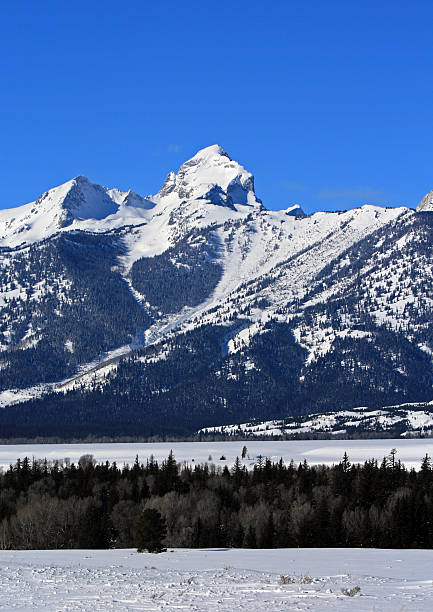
(410,452)
(223,580)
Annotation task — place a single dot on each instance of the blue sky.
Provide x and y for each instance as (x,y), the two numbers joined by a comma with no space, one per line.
(328,103)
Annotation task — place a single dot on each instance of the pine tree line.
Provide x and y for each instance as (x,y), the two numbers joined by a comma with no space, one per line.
(91,505)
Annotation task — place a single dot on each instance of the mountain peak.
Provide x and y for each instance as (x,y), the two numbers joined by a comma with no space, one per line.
(81,179)
(83,200)
(58,208)
(426,203)
(209,152)
(213,176)
(295,210)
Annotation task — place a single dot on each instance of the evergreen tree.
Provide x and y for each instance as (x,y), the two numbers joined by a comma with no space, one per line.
(151,530)
(345,464)
(426,466)
(95,529)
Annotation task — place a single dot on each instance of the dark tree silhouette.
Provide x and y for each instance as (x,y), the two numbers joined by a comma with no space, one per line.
(151,531)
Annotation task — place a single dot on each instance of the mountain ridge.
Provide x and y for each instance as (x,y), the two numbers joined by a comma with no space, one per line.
(210,175)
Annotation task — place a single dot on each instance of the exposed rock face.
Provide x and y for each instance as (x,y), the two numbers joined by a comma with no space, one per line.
(426,203)
(295,211)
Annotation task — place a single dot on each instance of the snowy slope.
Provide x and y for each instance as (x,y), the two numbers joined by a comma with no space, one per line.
(409,419)
(220,579)
(290,251)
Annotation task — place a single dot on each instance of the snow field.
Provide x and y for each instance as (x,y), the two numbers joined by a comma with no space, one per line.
(217,579)
(316,452)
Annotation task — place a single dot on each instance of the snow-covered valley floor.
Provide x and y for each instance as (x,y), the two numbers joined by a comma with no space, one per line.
(410,452)
(217,579)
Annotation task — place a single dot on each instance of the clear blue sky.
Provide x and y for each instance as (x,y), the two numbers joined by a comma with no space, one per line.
(328,103)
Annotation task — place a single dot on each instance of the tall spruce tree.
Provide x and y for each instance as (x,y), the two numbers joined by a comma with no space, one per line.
(151,530)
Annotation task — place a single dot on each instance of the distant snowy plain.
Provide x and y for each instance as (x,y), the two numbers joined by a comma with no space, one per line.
(410,452)
(217,579)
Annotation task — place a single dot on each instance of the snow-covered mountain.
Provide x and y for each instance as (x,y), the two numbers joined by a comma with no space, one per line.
(198,306)
(77,204)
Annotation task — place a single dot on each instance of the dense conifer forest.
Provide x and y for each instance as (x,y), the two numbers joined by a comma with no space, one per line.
(88,505)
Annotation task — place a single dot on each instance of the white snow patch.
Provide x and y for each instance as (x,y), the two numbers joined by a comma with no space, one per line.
(217,579)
